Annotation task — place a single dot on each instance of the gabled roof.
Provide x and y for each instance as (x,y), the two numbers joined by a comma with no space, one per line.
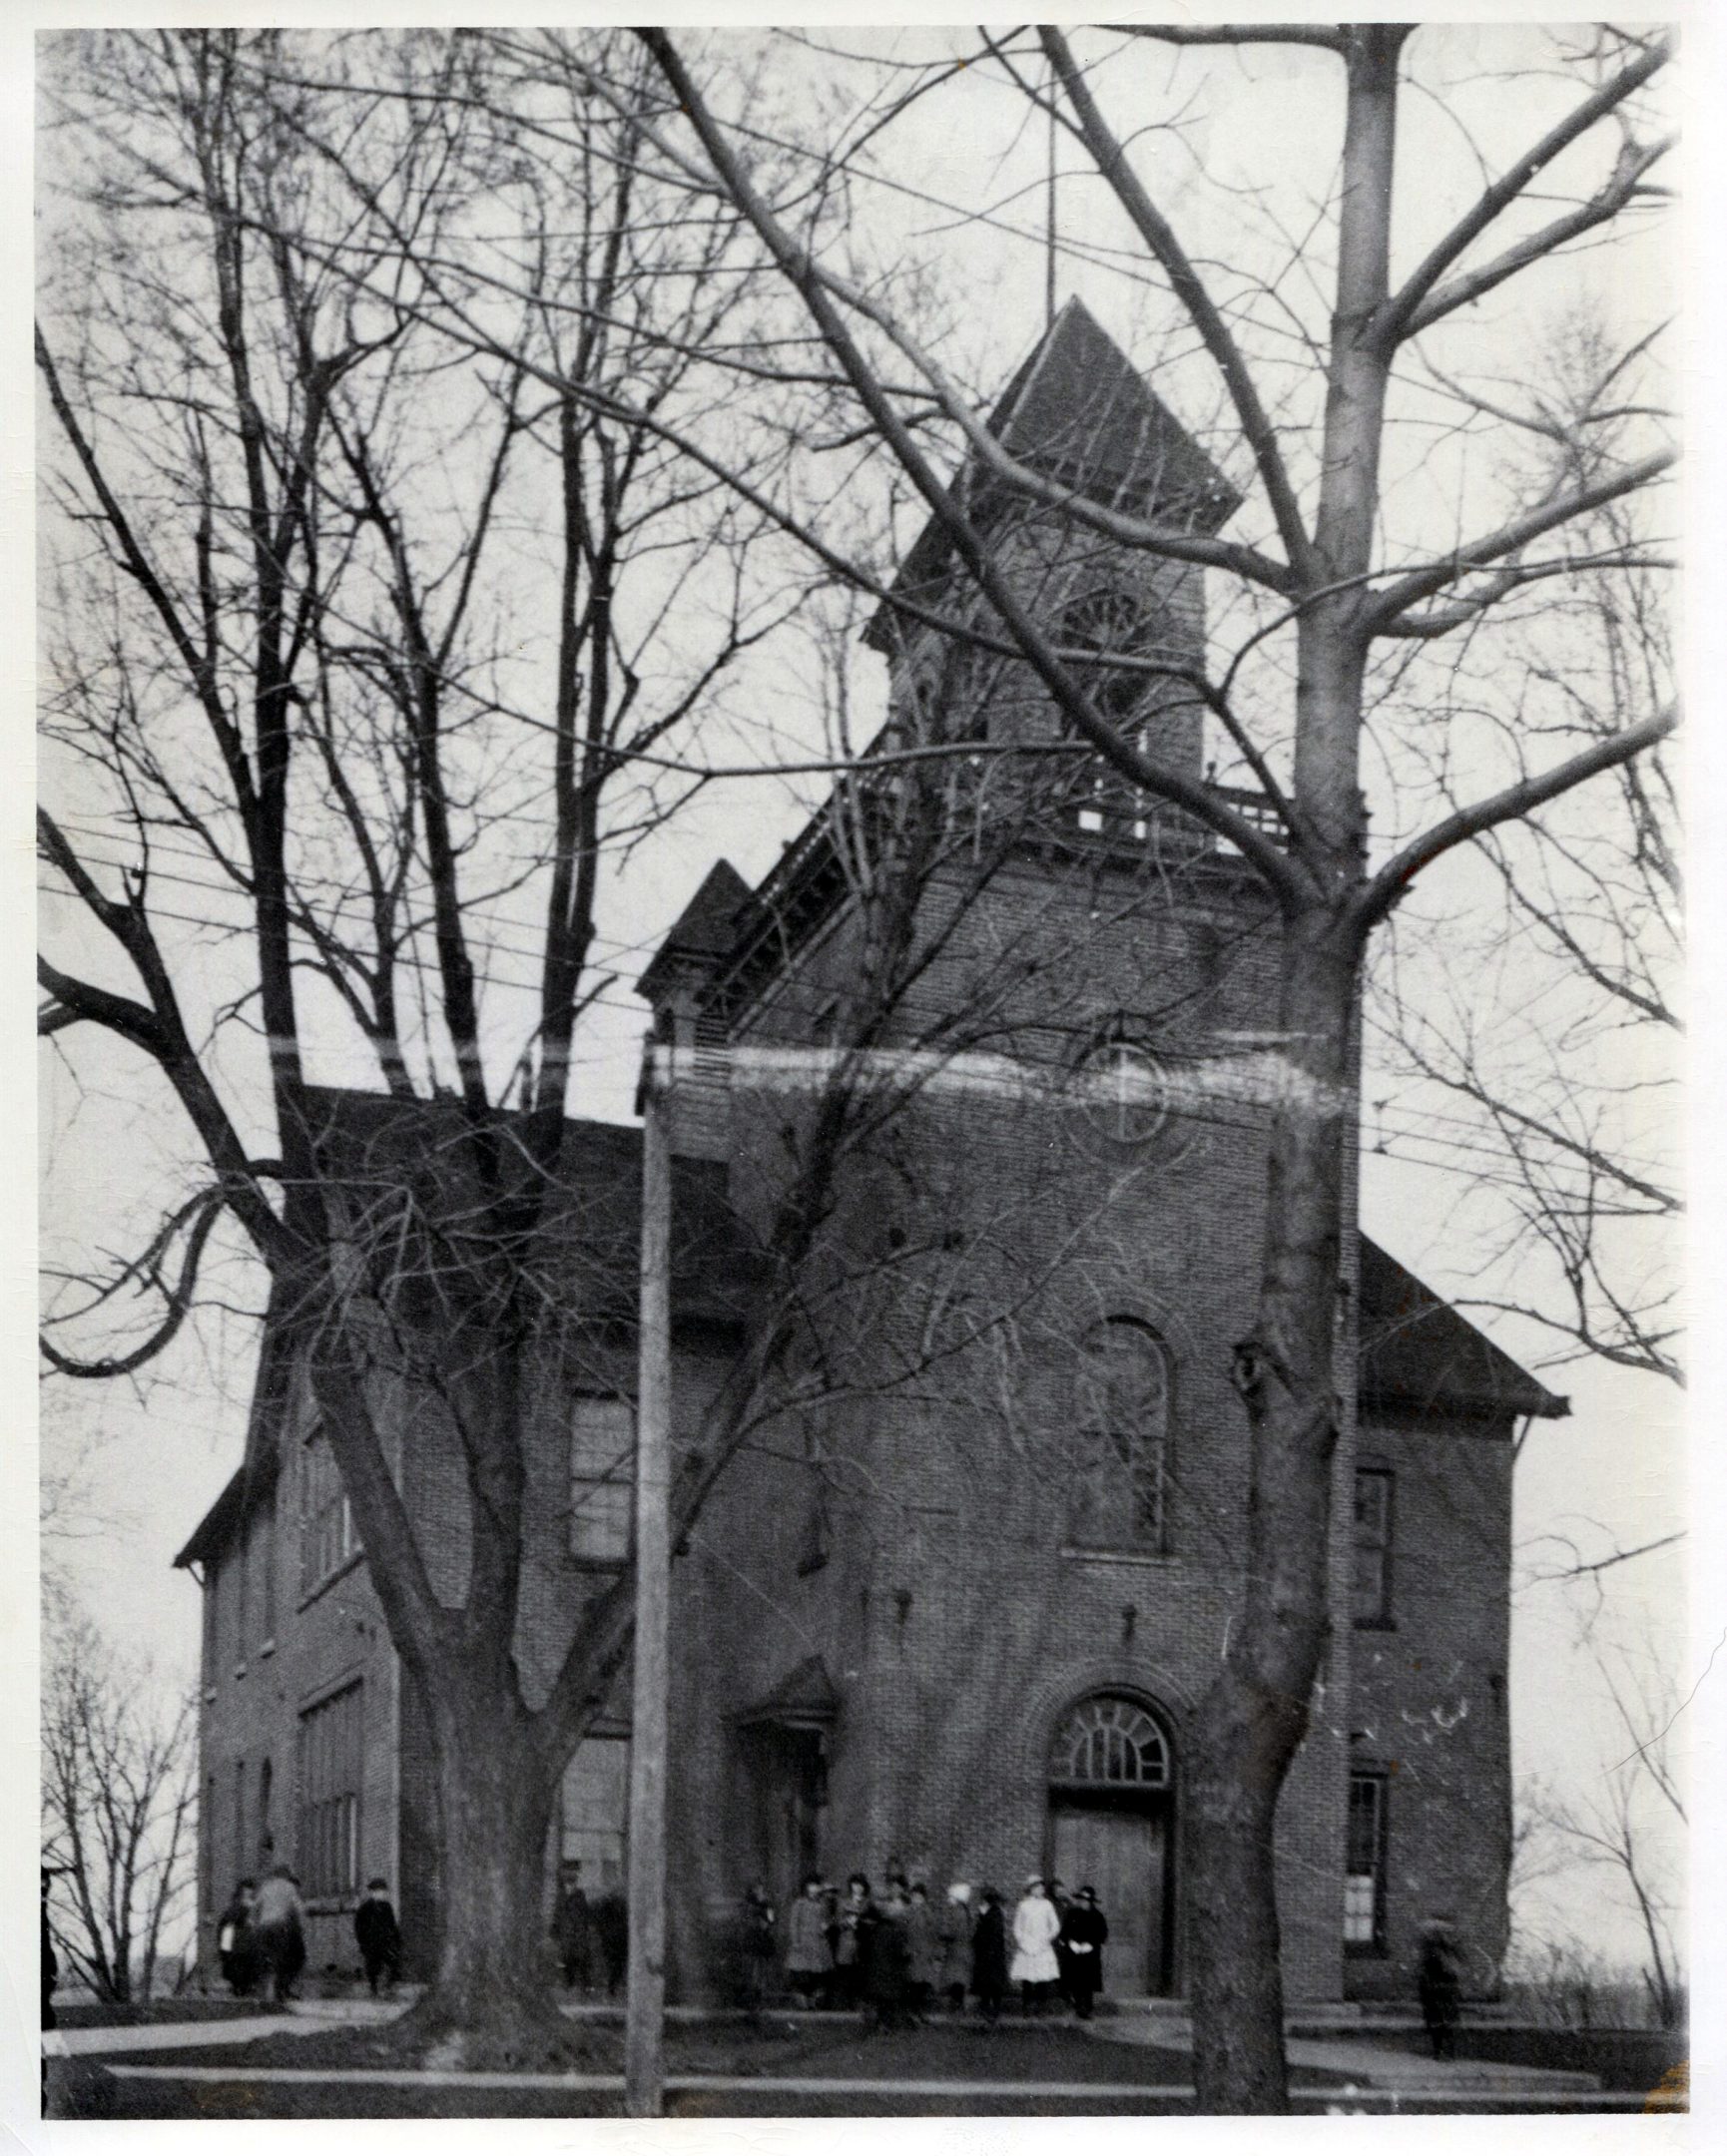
(807,1699)
(1078,411)
(595,1220)
(1417,1353)
(707,928)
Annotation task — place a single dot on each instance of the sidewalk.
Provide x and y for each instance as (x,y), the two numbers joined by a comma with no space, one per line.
(1368,2065)
(1363,2066)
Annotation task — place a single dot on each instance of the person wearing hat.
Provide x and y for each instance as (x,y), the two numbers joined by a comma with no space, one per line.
(1084,1928)
(1036,1930)
(809,1954)
(1438,1983)
(953,1938)
(989,1956)
(236,1949)
(378,1935)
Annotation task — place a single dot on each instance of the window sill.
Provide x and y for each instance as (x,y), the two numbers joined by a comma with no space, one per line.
(1088,1555)
(239,1669)
(1359,1951)
(210,1697)
(266,1650)
(322,1586)
(581,1563)
(1376,1624)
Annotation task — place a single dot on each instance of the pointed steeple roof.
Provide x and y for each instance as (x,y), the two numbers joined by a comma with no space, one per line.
(1078,411)
(707,928)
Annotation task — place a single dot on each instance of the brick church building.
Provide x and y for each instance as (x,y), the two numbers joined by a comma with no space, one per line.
(948,1613)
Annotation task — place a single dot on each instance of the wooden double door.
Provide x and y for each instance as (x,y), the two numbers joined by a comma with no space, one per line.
(1120,1846)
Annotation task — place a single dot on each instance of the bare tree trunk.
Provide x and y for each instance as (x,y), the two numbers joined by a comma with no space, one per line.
(1255,1714)
(496,1790)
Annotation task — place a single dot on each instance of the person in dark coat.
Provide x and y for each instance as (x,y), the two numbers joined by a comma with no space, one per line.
(572,1928)
(378,1935)
(888,1963)
(760,1943)
(612,1933)
(1084,1928)
(989,1957)
(1062,1902)
(852,1923)
(923,1952)
(1438,1983)
(953,1936)
(235,1949)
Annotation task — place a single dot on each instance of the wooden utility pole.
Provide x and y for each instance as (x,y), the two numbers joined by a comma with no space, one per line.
(644,2029)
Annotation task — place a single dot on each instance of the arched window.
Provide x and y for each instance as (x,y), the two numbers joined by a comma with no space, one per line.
(1114,621)
(1121,1442)
(1109,1743)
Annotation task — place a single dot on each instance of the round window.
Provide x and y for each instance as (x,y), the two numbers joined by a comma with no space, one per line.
(1123,1092)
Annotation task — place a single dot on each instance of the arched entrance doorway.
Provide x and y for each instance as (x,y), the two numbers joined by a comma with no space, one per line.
(1112,1811)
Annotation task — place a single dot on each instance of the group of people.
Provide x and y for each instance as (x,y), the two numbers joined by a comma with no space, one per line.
(592,1936)
(897,1955)
(260,1936)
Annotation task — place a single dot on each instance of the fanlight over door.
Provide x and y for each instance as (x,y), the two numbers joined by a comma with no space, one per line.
(1109,1743)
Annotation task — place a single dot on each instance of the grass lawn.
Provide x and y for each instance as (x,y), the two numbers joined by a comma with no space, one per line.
(843,2051)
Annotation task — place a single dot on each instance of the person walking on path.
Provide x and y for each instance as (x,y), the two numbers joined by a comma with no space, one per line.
(1439,1985)
(1084,1928)
(236,1947)
(572,1927)
(809,1956)
(989,1956)
(378,1935)
(953,1938)
(279,1927)
(1036,1926)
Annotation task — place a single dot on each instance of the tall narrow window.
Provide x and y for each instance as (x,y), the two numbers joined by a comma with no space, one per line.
(1373,1546)
(327,1537)
(265,1798)
(1121,1443)
(330,1751)
(1365,1865)
(241,1592)
(212,1628)
(241,1855)
(602,1474)
(263,1531)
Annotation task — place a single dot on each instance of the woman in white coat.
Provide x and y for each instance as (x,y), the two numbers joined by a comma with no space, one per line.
(1037,1923)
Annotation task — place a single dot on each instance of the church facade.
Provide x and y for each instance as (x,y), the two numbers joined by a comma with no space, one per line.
(948,1611)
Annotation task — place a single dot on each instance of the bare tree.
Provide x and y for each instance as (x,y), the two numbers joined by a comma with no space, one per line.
(1362,603)
(306,417)
(1558,1072)
(305,771)
(1625,1819)
(118,1799)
